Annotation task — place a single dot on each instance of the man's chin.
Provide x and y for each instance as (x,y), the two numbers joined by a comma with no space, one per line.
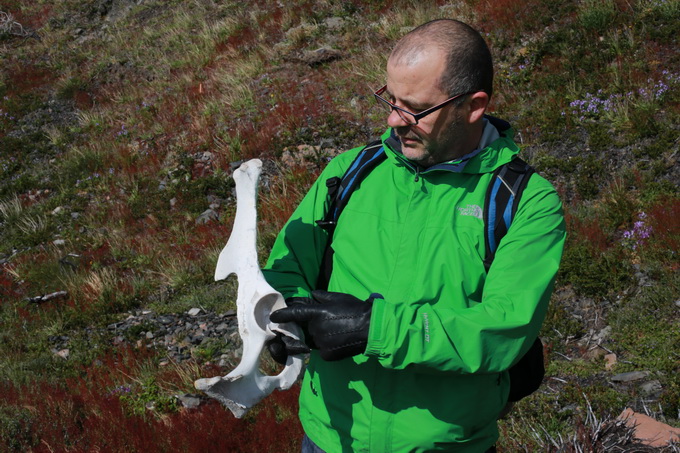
(415,154)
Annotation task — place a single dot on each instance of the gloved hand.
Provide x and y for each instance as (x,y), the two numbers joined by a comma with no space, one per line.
(282,345)
(338,324)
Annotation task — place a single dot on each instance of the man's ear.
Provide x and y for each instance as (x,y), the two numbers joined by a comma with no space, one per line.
(477,104)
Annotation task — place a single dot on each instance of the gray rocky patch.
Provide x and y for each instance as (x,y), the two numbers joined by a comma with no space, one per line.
(179,335)
(207,216)
(631,376)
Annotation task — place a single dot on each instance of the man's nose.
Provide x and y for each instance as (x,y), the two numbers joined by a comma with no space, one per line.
(395,120)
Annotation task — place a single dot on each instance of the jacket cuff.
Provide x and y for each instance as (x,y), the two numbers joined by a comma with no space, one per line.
(376,331)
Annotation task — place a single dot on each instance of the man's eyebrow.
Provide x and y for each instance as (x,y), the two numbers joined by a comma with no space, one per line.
(415,105)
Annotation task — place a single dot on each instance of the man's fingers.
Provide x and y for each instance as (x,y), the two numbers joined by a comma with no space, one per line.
(282,346)
(325,297)
(297,313)
(282,315)
(299,301)
(277,349)
(295,347)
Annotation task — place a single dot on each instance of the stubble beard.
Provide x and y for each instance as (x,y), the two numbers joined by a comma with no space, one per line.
(427,154)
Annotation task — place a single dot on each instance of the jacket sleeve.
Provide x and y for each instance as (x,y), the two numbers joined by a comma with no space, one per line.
(294,262)
(490,336)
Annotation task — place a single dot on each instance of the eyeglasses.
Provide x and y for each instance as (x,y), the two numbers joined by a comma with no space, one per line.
(410,117)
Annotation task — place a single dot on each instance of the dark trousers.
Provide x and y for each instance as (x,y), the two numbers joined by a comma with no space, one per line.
(310,447)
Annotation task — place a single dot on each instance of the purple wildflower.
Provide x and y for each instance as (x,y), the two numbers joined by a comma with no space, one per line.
(637,236)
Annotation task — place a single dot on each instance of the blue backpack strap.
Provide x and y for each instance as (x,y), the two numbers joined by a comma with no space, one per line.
(339,192)
(502,198)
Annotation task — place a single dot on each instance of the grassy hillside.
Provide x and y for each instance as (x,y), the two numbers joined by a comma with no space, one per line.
(121,122)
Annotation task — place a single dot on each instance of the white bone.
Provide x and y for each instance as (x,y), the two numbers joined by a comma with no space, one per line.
(245,386)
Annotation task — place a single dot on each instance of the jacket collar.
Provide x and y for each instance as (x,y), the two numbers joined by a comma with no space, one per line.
(495,148)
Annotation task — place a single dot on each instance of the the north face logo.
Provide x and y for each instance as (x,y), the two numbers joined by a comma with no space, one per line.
(471,210)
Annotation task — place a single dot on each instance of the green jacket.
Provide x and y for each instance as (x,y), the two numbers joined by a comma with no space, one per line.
(433,376)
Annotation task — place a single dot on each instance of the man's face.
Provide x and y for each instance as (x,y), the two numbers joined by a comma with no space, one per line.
(414,86)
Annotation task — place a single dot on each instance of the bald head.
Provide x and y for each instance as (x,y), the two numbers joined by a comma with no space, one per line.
(468,65)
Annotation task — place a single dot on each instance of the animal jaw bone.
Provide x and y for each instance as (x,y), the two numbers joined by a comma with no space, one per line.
(245,386)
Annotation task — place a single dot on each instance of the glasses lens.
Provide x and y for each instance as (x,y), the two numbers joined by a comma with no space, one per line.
(407,117)
(388,107)
(383,104)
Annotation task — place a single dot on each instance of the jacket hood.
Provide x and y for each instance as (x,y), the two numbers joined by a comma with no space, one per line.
(485,160)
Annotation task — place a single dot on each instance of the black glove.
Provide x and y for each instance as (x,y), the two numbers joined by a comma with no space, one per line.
(281,346)
(338,324)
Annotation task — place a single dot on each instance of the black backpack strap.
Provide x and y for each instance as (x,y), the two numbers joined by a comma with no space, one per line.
(339,192)
(502,198)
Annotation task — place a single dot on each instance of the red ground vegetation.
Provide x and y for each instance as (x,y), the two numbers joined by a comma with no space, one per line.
(9,289)
(587,230)
(85,413)
(664,218)
(506,16)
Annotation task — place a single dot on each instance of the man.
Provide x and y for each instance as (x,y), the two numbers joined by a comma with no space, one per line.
(411,346)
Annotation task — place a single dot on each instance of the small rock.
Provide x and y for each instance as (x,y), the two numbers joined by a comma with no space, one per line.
(57,210)
(631,376)
(651,389)
(59,242)
(649,431)
(165,320)
(207,216)
(610,361)
(602,335)
(194,312)
(189,401)
(320,55)
(149,335)
(63,353)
